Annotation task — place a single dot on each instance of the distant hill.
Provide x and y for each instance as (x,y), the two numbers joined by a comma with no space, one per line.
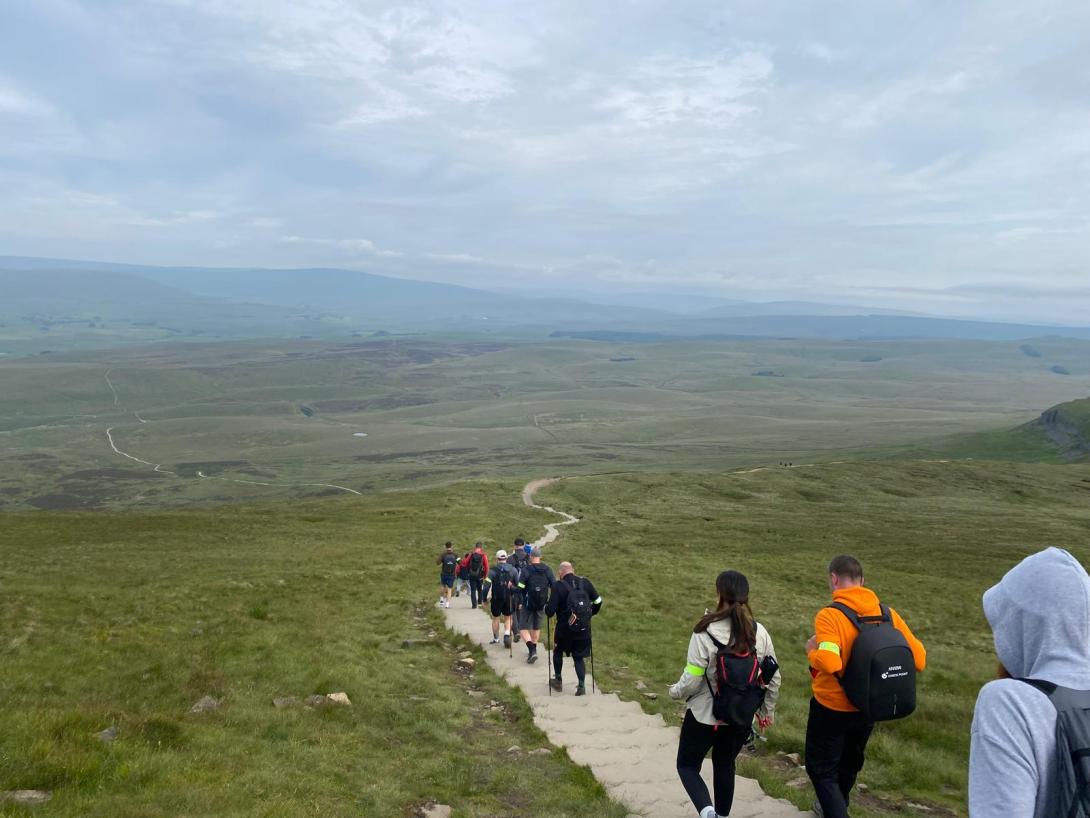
(254,302)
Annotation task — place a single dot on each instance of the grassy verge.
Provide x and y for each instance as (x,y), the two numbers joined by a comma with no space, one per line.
(127,620)
(932,538)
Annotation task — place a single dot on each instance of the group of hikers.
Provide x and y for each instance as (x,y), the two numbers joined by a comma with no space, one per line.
(523,593)
(1030,738)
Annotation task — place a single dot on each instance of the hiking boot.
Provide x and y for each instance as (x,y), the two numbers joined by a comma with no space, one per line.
(531,658)
(580,691)
(516,637)
(495,640)
(556,684)
(507,640)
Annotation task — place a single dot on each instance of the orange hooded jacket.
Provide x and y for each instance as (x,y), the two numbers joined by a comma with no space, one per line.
(835,637)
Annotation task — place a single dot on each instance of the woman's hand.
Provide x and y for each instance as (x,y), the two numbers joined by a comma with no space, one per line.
(764,722)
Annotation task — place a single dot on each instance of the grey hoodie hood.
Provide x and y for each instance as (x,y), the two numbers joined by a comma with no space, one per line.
(1040,616)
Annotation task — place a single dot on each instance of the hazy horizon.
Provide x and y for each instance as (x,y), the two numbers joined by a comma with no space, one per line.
(926,159)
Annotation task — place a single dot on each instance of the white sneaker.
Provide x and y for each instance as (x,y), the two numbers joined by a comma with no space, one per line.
(708,812)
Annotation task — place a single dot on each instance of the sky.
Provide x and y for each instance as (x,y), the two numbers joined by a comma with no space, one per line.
(929,156)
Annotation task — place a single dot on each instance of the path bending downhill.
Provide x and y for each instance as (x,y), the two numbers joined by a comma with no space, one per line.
(632,753)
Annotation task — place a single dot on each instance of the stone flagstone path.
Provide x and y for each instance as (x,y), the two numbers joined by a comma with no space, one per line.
(630,752)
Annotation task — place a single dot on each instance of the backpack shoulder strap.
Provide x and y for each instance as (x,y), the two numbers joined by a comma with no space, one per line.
(853,617)
(718,645)
(1048,688)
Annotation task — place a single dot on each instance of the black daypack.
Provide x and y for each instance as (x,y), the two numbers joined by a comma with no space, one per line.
(1072,746)
(880,677)
(740,682)
(580,606)
(537,587)
(476,564)
(501,587)
(450,562)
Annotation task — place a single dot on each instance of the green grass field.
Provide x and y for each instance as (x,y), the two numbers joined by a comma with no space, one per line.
(127,620)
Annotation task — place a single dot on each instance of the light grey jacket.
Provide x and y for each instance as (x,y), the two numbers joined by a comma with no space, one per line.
(1040,617)
(700,666)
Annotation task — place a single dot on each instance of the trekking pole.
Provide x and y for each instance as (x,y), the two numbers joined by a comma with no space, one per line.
(592,687)
(549,648)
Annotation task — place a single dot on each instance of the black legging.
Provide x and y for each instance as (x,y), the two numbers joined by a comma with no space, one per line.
(580,665)
(725,742)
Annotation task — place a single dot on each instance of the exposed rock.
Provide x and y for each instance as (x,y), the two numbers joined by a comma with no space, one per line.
(317,700)
(541,751)
(282,702)
(27,798)
(340,698)
(514,748)
(651,696)
(919,807)
(467,663)
(437,811)
(640,685)
(862,787)
(412,643)
(794,759)
(477,694)
(798,783)
(206,705)
(108,735)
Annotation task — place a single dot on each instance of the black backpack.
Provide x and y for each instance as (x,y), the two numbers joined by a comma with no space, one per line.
(450,562)
(476,564)
(740,684)
(537,587)
(1072,745)
(501,587)
(880,678)
(518,558)
(580,606)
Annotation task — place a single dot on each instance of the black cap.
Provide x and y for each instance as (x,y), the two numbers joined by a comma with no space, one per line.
(520,541)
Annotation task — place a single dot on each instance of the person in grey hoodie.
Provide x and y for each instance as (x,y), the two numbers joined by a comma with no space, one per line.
(733,625)
(1040,616)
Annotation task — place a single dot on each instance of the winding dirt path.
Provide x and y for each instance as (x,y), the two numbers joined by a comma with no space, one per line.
(630,752)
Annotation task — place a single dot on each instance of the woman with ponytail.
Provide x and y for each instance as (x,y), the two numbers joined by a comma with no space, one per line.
(732,625)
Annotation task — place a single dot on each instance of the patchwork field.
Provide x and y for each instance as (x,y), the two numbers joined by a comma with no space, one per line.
(266,420)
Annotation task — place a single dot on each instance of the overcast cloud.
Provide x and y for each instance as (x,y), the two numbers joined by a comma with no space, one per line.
(919,155)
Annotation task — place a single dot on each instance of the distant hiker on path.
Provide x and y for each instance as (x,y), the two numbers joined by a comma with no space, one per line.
(460,582)
(448,567)
(535,585)
(731,677)
(1038,615)
(573,602)
(502,580)
(475,569)
(849,697)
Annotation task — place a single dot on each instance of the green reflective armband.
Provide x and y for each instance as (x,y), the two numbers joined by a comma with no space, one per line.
(832,647)
(598,601)
(694,670)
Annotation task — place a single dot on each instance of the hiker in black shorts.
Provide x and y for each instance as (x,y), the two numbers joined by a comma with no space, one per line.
(448,567)
(518,559)
(503,581)
(573,602)
(535,586)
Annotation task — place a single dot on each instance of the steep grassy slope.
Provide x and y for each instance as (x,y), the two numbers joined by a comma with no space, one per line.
(932,537)
(127,620)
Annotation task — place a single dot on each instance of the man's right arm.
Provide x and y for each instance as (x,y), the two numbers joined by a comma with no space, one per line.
(919,654)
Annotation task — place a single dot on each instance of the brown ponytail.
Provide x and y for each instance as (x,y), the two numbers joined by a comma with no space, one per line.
(733,589)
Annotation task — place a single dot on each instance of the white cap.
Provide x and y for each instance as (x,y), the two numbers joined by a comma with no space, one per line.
(501,554)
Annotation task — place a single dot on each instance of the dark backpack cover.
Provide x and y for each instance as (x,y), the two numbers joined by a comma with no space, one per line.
(501,586)
(739,685)
(450,563)
(580,606)
(1072,745)
(476,564)
(537,587)
(880,677)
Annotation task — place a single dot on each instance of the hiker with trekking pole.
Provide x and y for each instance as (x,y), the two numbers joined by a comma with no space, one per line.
(730,679)
(535,585)
(503,581)
(574,601)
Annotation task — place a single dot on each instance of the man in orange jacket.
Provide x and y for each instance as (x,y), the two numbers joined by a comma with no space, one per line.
(836,732)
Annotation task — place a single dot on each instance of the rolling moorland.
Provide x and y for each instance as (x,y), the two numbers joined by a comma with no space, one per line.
(257,520)
(178,424)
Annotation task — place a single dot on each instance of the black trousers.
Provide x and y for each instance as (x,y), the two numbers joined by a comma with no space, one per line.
(725,742)
(835,745)
(558,665)
(475,597)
